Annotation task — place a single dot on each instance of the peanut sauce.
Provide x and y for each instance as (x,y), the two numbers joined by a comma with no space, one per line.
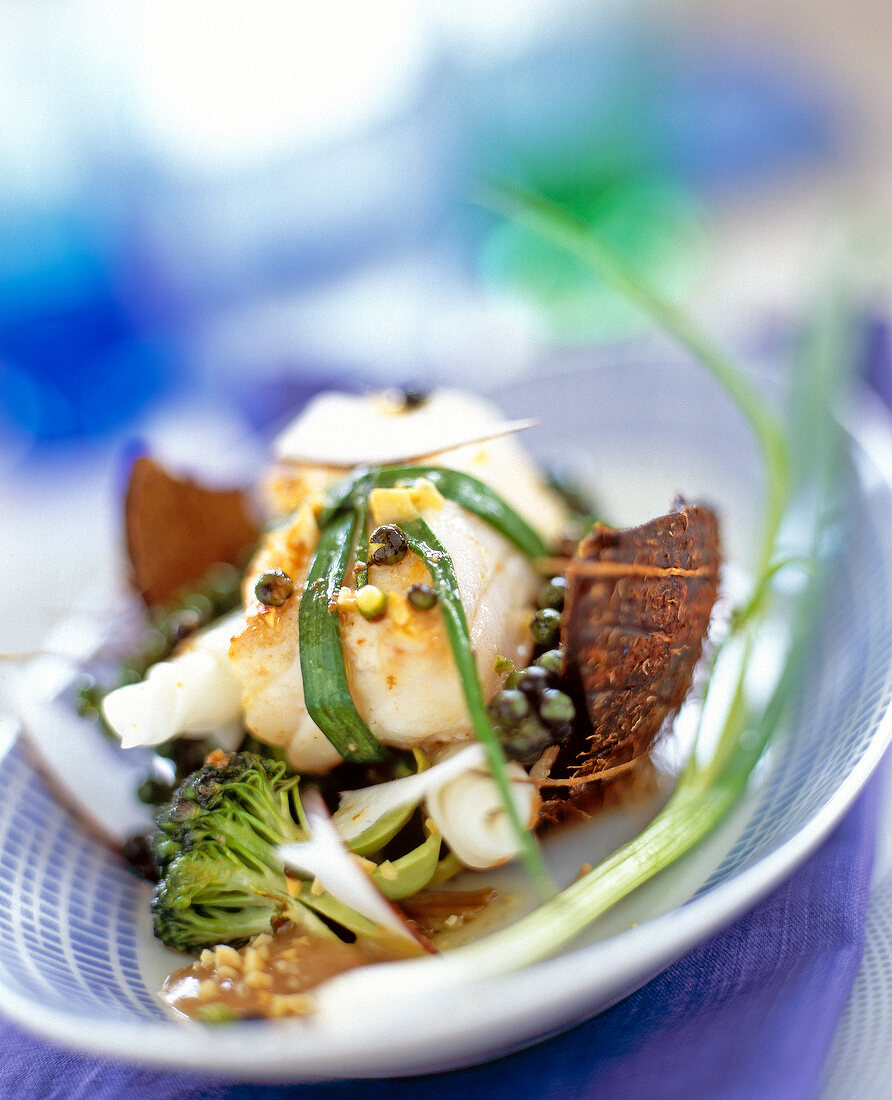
(269,977)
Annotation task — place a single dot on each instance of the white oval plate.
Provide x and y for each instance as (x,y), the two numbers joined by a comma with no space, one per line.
(77,958)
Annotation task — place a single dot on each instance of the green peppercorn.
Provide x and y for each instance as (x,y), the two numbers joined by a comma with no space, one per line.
(552,660)
(201,605)
(155,646)
(222,582)
(553,593)
(526,742)
(532,681)
(390,545)
(510,707)
(555,708)
(422,596)
(274,588)
(562,734)
(545,626)
(371,601)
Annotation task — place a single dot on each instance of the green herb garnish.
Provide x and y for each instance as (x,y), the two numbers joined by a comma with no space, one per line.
(427,546)
(326,691)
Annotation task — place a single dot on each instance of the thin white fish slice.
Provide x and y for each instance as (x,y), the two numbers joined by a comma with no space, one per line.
(193,692)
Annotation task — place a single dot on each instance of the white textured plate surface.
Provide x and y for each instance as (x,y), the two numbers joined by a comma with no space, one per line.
(77,960)
(860,1060)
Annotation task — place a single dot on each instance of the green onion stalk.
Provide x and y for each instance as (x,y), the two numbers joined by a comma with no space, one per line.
(711,783)
(326,692)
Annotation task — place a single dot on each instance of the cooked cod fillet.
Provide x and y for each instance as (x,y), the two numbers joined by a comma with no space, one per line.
(400,668)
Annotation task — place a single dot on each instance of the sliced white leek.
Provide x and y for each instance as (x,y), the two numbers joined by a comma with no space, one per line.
(470,813)
(460,797)
(359,810)
(194,692)
(325,857)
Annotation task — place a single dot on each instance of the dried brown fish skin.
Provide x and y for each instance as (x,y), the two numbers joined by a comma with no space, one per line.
(637,610)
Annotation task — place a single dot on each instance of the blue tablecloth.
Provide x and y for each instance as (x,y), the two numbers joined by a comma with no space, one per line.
(749,1014)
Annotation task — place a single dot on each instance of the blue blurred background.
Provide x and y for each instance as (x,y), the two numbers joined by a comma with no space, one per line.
(233,203)
(210,210)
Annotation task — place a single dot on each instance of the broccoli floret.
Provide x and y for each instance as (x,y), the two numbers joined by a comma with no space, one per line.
(221,878)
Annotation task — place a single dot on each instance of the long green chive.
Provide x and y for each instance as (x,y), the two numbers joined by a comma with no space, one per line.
(427,546)
(472,494)
(326,691)
(710,785)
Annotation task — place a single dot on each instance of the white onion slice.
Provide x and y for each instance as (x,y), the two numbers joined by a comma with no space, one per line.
(326,858)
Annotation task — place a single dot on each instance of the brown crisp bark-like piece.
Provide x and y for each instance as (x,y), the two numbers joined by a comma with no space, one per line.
(176,529)
(637,609)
